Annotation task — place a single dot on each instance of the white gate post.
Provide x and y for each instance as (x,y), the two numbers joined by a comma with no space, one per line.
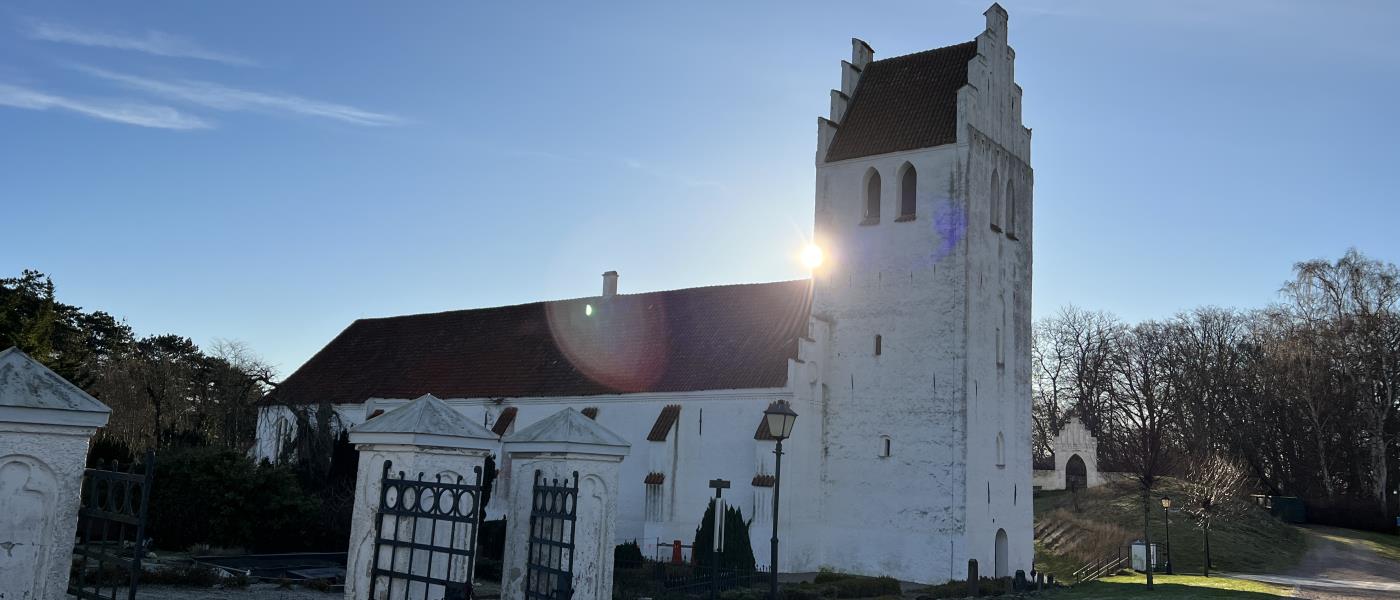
(46,423)
(424,436)
(559,446)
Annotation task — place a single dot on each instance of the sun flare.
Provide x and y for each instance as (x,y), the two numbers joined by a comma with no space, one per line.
(812,256)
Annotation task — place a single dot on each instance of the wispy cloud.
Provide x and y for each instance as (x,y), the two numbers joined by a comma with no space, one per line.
(130,113)
(221,97)
(153,42)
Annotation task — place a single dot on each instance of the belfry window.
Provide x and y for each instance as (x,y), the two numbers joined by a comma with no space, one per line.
(996,201)
(908,187)
(1011,209)
(872,197)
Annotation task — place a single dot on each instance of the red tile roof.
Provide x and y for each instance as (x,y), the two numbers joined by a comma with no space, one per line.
(721,337)
(590,412)
(904,103)
(655,478)
(762,481)
(504,421)
(664,421)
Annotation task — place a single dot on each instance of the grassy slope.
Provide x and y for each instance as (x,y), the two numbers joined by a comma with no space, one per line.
(1252,542)
(1168,587)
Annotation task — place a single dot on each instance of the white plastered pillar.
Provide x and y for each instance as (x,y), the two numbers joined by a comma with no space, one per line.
(46,424)
(564,446)
(425,436)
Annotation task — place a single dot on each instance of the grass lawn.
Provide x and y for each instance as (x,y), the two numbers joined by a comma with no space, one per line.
(1386,545)
(1167,587)
(1253,542)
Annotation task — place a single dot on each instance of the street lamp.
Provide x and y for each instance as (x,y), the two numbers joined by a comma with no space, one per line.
(1166,508)
(780,418)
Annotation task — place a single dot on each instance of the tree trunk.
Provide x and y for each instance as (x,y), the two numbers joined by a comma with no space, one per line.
(1147,533)
(1206,531)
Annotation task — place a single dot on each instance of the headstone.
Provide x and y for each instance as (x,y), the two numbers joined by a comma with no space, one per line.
(46,423)
(423,436)
(563,446)
(972,579)
(1019,583)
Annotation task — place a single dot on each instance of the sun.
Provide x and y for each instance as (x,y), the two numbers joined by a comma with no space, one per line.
(812,256)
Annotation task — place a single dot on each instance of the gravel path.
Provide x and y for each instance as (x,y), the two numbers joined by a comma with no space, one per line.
(1338,569)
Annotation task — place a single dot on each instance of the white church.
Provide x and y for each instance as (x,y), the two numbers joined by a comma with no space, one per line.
(906,355)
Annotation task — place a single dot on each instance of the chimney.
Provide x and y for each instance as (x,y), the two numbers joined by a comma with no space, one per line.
(609,284)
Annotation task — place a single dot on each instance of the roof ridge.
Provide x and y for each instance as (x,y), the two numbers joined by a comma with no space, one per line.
(582,298)
(922,52)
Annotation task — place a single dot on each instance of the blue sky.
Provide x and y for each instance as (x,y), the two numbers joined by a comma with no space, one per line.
(270,171)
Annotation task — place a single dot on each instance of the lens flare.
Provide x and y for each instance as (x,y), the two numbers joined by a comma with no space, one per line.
(812,256)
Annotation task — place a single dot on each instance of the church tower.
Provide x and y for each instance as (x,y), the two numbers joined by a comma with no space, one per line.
(924,212)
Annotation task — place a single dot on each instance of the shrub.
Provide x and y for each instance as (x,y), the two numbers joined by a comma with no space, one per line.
(1349,513)
(221,497)
(745,593)
(865,587)
(627,556)
(737,554)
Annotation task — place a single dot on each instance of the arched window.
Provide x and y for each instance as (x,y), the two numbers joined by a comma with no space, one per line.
(878,344)
(885,446)
(1001,450)
(872,196)
(996,201)
(908,185)
(1011,208)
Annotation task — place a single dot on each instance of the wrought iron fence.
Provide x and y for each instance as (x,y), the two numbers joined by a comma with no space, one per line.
(550,562)
(111,536)
(425,536)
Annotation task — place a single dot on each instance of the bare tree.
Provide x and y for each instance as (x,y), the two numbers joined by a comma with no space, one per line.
(1216,486)
(1357,300)
(1144,408)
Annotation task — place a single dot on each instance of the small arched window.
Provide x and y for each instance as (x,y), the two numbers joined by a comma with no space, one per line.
(1001,450)
(885,446)
(879,344)
(872,196)
(1011,208)
(908,186)
(996,200)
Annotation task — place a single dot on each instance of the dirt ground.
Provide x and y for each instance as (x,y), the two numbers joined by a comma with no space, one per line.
(1339,569)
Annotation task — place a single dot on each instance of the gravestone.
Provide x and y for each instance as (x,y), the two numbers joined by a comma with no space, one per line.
(423,436)
(46,424)
(567,447)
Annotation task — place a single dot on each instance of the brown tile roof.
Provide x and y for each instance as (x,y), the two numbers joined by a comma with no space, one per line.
(590,412)
(664,421)
(904,103)
(721,337)
(762,481)
(654,478)
(504,421)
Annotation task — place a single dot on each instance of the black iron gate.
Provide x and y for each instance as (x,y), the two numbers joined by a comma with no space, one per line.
(425,537)
(111,536)
(550,564)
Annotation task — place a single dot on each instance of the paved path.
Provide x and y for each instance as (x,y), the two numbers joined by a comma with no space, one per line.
(1338,569)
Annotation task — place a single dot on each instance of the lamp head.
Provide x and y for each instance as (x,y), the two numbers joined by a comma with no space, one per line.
(780,417)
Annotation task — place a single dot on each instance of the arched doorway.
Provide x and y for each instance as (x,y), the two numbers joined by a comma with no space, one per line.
(1076,475)
(1000,569)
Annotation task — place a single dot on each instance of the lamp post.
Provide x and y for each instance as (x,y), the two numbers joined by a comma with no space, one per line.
(780,417)
(1166,514)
